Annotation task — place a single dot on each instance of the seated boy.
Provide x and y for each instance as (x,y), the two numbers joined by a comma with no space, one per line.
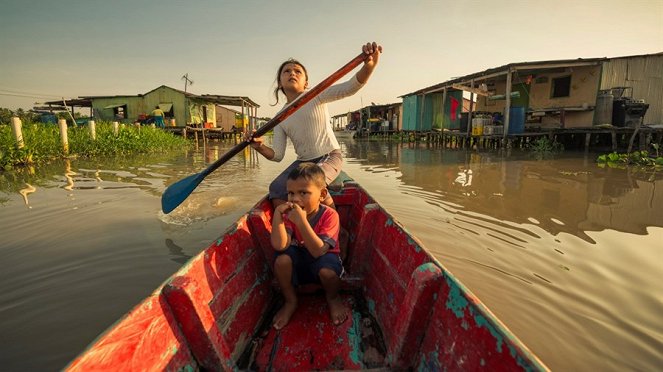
(305,237)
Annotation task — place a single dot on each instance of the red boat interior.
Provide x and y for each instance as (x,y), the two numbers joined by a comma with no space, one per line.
(216,312)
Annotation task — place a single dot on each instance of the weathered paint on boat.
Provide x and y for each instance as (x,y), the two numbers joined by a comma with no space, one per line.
(407,311)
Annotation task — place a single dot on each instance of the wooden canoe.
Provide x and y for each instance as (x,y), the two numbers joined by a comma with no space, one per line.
(407,311)
(344,133)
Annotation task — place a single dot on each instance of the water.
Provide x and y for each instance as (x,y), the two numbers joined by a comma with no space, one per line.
(568,255)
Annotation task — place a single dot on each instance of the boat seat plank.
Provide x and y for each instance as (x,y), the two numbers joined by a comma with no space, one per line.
(260,223)
(414,314)
(220,297)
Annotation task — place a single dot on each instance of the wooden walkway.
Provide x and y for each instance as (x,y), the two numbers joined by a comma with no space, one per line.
(204,133)
(614,139)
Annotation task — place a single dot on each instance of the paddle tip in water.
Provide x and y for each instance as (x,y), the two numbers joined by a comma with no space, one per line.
(177,193)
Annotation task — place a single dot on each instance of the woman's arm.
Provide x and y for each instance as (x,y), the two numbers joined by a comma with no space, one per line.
(258,143)
(352,86)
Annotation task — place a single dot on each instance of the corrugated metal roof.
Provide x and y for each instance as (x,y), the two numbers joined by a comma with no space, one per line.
(228,100)
(505,68)
(215,98)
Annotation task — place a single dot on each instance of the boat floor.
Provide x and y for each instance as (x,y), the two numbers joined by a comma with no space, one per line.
(310,341)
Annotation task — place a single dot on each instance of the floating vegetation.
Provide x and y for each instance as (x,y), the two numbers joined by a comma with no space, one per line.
(637,158)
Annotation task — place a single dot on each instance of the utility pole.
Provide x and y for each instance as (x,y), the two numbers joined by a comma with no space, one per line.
(187,82)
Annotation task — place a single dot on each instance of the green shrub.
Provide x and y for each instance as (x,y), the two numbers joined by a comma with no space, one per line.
(42,143)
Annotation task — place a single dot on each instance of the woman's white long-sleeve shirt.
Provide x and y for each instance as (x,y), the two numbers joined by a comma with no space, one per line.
(309,128)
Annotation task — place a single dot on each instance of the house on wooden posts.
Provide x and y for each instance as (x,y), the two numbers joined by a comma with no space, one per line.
(377,118)
(546,94)
(180,108)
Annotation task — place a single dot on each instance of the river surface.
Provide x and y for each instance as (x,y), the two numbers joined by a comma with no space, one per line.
(567,254)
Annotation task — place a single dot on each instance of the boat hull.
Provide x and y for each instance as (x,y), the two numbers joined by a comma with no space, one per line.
(344,134)
(406,310)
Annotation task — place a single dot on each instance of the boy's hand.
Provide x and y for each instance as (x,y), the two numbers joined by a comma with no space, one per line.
(283,208)
(296,214)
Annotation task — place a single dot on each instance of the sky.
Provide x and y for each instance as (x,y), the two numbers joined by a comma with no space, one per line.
(68,48)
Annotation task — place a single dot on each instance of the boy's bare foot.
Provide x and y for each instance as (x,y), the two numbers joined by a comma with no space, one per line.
(282,318)
(338,311)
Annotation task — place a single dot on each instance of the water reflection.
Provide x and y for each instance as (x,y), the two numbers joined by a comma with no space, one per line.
(562,195)
(177,251)
(27,190)
(68,175)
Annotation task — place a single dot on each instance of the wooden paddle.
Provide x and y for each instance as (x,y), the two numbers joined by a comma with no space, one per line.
(176,193)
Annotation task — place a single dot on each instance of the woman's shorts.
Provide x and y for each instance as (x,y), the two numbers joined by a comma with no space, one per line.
(305,268)
(331,164)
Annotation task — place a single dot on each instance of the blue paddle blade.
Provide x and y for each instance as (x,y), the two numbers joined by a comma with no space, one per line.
(176,193)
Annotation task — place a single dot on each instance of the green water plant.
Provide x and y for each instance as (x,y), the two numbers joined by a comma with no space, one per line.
(637,158)
(543,147)
(42,143)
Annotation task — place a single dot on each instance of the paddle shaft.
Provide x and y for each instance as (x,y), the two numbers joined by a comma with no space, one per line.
(289,110)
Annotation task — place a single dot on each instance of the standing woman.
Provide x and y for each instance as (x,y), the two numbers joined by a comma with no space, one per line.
(309,128)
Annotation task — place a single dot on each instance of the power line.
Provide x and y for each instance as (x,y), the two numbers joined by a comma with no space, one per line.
(23,95)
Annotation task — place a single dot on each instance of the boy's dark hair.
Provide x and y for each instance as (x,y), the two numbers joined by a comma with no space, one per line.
(279,88)
(311,172)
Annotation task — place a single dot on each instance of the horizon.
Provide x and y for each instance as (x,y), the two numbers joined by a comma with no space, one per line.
(233,48)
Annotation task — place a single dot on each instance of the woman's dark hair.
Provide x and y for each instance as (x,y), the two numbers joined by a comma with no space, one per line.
(279,88)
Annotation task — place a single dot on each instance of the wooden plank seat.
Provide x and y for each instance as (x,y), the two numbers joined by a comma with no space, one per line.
(220,298)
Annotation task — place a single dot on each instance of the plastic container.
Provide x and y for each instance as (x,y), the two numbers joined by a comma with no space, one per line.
(477,126)
(603,111)
(516,120)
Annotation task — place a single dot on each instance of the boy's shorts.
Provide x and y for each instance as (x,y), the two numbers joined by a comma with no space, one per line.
(305,268)
(331,164)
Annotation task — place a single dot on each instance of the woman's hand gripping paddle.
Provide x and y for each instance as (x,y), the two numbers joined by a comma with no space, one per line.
(176,193)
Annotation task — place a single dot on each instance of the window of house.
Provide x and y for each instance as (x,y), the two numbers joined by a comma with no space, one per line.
(561,86)
(120,112)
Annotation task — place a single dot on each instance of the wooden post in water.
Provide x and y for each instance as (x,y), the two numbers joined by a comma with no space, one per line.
(469,114)
(93,130)
(62,123)
(116,127)
(18,133)
(507,104)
